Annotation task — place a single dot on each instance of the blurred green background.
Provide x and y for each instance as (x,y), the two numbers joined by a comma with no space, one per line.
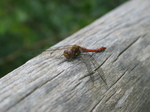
(35,24)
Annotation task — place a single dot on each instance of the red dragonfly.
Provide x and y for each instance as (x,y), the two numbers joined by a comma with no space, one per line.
(74,51)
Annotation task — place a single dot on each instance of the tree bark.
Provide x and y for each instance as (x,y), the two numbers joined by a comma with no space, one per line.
(48,84)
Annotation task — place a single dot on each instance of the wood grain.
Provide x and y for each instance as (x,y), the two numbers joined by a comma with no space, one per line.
(48,84)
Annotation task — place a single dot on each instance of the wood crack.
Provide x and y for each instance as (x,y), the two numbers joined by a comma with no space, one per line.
(25,96)
(109,89)
(126,49)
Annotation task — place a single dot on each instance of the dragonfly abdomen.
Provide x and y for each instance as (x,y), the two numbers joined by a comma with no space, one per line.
(94,50)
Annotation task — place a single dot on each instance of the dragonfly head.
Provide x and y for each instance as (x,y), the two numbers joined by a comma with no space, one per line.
(68,54)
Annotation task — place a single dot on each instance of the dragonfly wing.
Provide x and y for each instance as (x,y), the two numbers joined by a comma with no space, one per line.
(96,66)
(59,48)
(88,66)
(50,51)
(98,69)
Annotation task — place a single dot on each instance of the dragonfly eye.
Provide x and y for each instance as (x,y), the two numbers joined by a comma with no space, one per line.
(68,54)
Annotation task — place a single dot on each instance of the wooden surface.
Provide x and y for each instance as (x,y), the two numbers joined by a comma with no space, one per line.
(45,84)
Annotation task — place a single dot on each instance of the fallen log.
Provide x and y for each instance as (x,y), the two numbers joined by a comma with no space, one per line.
(46,84)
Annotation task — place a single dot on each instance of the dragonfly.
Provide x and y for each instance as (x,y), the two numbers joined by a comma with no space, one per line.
(73,51)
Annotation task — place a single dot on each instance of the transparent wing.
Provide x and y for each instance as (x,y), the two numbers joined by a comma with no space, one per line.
(56,52)
(87,58)
(88,66)
(98,69)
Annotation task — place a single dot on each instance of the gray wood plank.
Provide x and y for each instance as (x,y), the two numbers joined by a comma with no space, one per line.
(48,84)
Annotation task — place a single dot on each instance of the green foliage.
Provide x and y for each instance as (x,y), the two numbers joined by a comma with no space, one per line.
(35,24)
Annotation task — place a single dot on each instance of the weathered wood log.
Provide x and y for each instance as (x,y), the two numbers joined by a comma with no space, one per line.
(46,84)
